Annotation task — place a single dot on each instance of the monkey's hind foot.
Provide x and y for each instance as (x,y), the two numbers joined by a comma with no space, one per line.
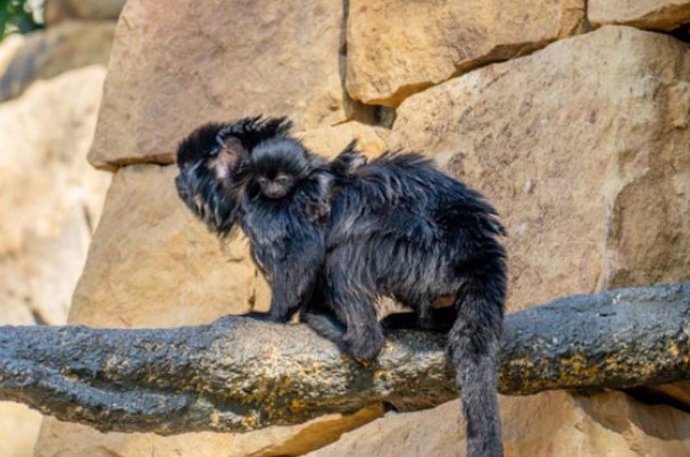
(364,345)
(325,326)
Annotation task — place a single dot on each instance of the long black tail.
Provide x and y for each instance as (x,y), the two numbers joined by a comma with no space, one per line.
(474,343)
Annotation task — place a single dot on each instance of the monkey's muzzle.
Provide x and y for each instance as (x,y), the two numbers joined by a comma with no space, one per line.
(182,186)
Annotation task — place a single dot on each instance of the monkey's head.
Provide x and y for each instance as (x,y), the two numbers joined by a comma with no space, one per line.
(276,166)
(207,163)
(210,160)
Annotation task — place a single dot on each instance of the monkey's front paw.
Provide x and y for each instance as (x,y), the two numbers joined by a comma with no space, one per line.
(364,346)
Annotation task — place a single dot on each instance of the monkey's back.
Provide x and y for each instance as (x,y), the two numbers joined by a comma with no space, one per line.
(410,231)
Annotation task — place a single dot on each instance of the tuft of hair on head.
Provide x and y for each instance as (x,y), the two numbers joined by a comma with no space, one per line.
(251,131)
(210,138)
(286,155)
(202,142)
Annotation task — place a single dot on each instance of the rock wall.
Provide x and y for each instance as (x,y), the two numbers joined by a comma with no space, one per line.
(51,83)
(547,425)
(50,198)
(49,53)
(574,126)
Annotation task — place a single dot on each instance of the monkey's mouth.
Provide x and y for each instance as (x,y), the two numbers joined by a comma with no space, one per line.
(275,194)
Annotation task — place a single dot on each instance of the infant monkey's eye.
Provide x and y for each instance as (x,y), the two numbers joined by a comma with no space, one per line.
(262,180)
(282,179)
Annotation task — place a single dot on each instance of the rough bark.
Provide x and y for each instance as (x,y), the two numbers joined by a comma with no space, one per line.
(238,374)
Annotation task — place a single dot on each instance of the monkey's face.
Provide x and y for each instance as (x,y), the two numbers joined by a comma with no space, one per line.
(208,164)
(277,187)
(277,166)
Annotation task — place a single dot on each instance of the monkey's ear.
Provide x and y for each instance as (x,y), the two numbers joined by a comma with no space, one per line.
(318,208)
(231,152)
(349,160)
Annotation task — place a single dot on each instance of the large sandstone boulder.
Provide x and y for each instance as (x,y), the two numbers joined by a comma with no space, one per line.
(646,14)
(152,264)
(19,427)
(584,149)
(60,439)
(329,141)
(46,54)
(398,47)
(174,68)
(50,197)
(606,424)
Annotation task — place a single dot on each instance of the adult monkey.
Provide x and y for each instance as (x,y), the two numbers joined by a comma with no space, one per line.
(332,238)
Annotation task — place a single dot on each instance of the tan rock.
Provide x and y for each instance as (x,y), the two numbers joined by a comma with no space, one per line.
(152,264)
(49,199)
(49,196)
(397,47)
(9,46)
(174,68)
(329,141)
(605,424)
(60,439)
(46,54)
(582,147)
(59,10)
(646,14)
(679,391)
(18,430)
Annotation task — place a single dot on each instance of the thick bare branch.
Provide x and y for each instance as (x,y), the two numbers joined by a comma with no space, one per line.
(238,374)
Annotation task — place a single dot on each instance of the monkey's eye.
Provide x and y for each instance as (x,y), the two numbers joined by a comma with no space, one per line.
(214,151)
(262,180)
(282,180)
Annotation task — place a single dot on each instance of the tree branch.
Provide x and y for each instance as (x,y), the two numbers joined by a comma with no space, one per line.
(238,374)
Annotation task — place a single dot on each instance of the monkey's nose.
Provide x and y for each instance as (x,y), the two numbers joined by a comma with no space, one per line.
(181,184)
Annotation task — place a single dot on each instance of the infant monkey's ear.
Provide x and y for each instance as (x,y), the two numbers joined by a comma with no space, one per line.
(348,160)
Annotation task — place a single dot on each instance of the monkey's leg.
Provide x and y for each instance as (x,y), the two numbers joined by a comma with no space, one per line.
(354,305)
(293,282)
(280,308)
(473,343)
(292,286)
(326,326)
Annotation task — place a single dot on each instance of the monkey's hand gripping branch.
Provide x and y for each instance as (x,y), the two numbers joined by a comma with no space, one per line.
(238,374)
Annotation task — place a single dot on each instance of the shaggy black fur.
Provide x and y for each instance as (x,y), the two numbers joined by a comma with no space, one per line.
(252,173)
(346,233)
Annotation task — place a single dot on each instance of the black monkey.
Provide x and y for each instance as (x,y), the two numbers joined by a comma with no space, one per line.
(401,228)
(343,234)
(253,173)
